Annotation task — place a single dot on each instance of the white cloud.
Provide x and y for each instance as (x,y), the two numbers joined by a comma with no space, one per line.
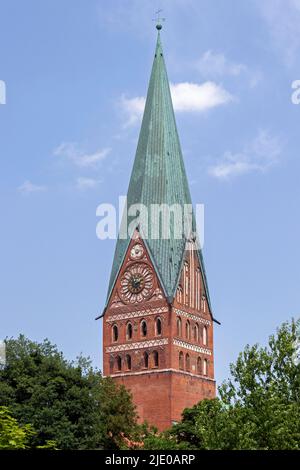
(213,64)
(193,97)
(83,183)
(133,109)
(260,155)
(28,187)
(72,152)
(283,20)
(186,97)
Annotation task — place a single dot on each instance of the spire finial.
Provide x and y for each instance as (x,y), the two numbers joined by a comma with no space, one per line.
(159,20)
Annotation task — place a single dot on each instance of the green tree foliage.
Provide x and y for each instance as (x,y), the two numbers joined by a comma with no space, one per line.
(117,416)
(13,436)
(257,408)
(65,402)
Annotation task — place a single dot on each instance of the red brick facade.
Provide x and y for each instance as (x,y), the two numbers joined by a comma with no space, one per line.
(163,353)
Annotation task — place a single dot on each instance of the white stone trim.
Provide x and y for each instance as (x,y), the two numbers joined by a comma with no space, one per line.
(160,371)
(191,316)
(138,345)
(138,314)
(191,347)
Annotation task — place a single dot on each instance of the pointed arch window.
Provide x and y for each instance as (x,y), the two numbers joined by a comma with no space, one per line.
(115,333)
(196,332)
(179,294)
(186,283)
(187,362)
(199,366)
(144,328)
(155,359)
(205,367)
(198,289)
(205,335)
(179,326)
(112,363)
(118,363)
(203,303)
(145,360)
(187,329)
(181,365)
(128,361)
(129,331)
(158,327)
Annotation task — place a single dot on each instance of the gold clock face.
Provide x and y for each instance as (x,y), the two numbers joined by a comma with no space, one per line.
(136,283)
(137,251)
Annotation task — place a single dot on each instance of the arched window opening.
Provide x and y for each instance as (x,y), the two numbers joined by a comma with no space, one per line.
(181,365)
(203,303)
(198,289)
(187,330)
(129,331)
(146,360)
(187,362)
(196,332)
(144,328)
(118,363)
(115,333)
(186,283)
(158,326)
(204,335)
(179,326)
(128,361)
(179,294)
(199,365)
(155,358)
(205,367)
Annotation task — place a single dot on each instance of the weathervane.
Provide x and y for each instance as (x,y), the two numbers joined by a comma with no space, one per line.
(159,19)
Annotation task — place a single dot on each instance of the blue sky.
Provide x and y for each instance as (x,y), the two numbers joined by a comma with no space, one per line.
(76,74)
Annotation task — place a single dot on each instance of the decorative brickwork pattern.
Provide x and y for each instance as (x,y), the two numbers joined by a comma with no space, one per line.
(192,317)
(191,347)
(140,345)
(138,314)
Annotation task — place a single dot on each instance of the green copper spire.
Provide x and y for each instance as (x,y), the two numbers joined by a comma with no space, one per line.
(158,177)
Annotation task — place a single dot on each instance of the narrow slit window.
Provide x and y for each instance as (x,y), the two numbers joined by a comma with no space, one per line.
(155,358)
(115,333)
(187,330)
(118,363)
(179,324)
(128,362)
(204,335)
(158,326)
(187,362)
(196,332)
(146,360)
(181,366)
(144,328)
(129,331)
(199,365)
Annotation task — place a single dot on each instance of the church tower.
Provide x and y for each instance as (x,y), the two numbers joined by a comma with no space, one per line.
(158,322)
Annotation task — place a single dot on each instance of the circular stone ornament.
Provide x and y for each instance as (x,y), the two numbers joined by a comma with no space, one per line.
(137,251)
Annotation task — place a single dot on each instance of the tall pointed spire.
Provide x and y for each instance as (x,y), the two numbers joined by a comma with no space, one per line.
(158,176)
